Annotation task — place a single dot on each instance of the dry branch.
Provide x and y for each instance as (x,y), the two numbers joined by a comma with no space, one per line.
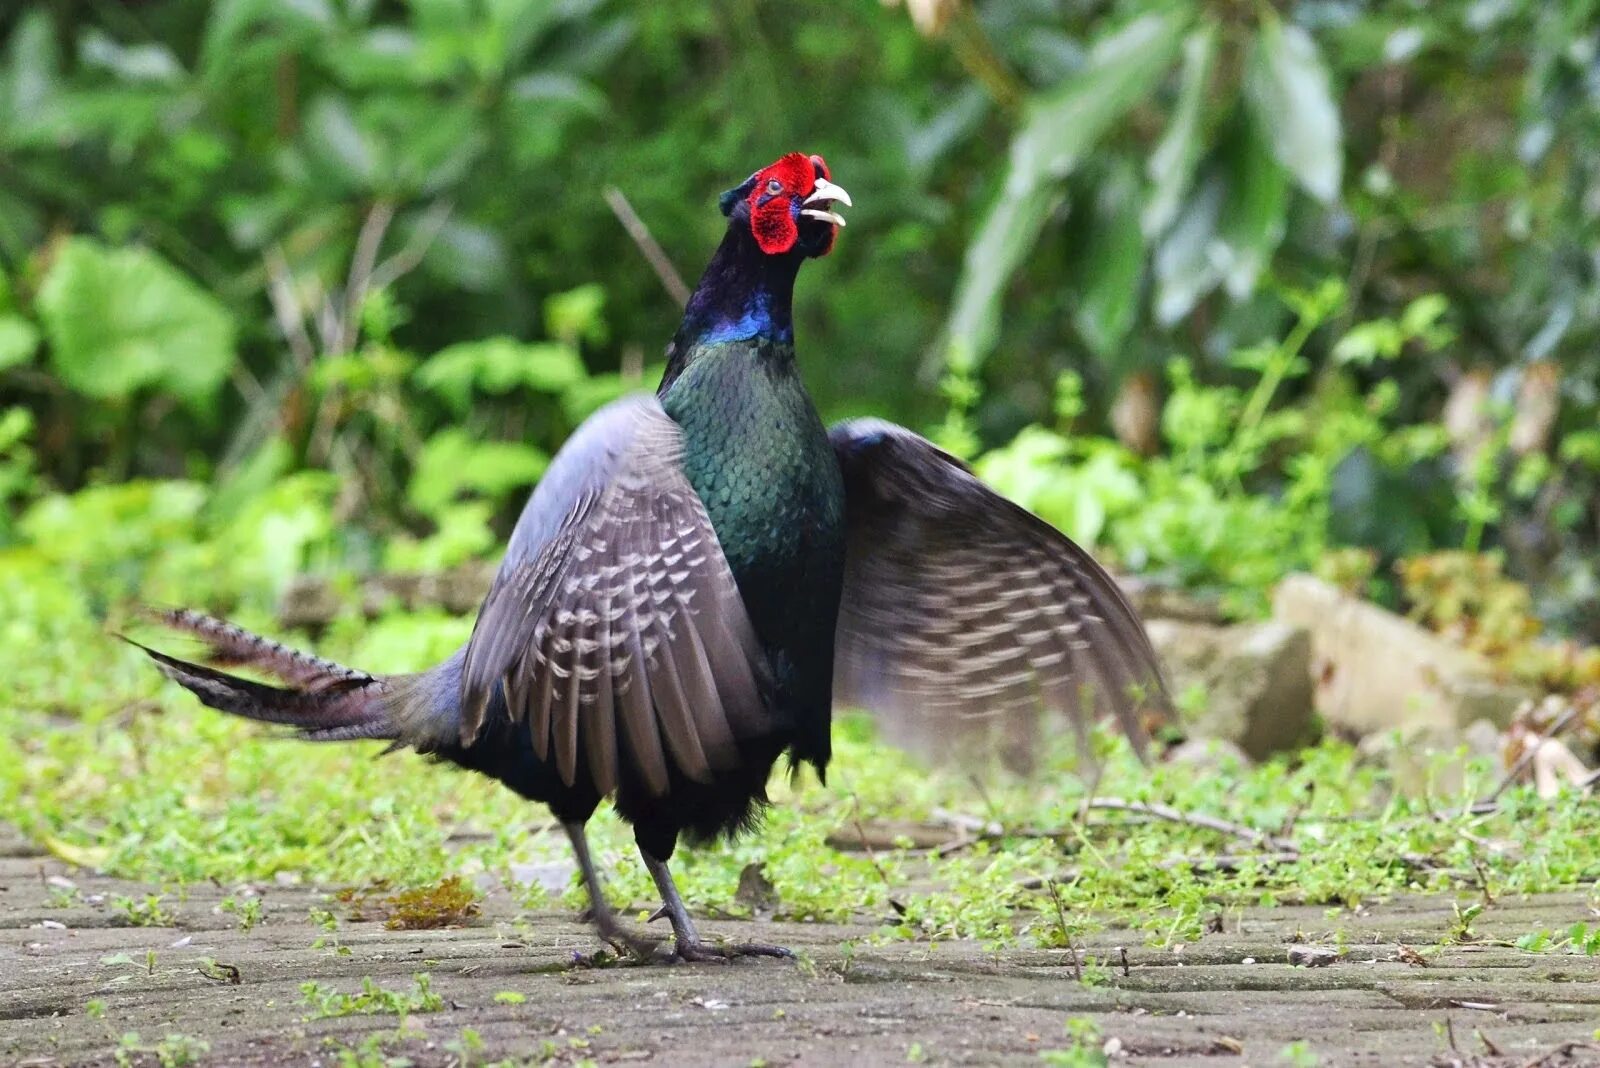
(671,280)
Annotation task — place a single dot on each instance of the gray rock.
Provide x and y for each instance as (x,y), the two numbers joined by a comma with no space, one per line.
(1377,671)
(1312,956)
(1153,600)
(1208,754)
(1256,678)
(1416,755)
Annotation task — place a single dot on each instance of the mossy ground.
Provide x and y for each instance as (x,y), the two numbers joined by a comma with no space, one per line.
(113,770)
(140,782)
(295,982)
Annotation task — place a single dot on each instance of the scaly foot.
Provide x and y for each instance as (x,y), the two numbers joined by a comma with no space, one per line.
(702,953)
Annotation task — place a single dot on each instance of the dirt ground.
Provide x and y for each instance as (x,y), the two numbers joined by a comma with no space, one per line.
(73,982)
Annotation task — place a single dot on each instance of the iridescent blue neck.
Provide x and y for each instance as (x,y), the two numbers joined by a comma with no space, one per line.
(743,295)
(755,320)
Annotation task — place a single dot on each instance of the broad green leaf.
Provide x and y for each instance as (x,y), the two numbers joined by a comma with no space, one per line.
(1171,165)
(442,17)
(1252,222)
(1228,230)
(468,255)
(1107,265)
(463,533)
(338,143)
(926,143)
(1063,124)
(120,319)
(453,461)
(1184,267)
(28,78)
(1031,470)
(1421,317)
(132,63)
(233,19)
(1288,87)
(381,57)
(577,314)
(1058,129)
(1007,235)
(16,424)
(1368,342)
(498,365)
(555,87)
(588,395)
(18,340)
(519,26)
(251,478)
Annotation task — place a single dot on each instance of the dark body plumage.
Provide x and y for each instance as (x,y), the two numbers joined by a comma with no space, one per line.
(758,456)
(665,623)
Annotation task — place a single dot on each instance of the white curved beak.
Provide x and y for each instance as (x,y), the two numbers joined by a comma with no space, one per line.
(826,192)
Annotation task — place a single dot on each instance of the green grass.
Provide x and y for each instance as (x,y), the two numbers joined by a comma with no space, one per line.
(118,770)
(370,999)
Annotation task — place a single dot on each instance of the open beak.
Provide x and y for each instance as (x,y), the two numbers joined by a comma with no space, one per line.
(825,192)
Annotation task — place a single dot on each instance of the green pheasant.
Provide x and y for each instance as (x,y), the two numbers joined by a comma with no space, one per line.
(704,573)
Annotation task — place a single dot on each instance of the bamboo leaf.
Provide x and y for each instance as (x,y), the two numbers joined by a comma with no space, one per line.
(1059,128)
(1184,268)
(1252,222)
(1287,86)
(1172,164)
(1107,264)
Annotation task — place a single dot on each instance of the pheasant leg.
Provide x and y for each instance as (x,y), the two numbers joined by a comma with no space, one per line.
(689,946)
(611,929)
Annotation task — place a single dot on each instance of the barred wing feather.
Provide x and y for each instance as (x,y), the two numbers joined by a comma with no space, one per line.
(617,631)
(958,603)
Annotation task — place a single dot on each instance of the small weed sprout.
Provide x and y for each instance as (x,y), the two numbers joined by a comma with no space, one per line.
(370,999)
(1299,1055)
(146,911)
(248,910)
(172,1051)
(1085,1048)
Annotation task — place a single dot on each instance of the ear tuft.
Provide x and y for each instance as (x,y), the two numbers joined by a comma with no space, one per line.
(727,200)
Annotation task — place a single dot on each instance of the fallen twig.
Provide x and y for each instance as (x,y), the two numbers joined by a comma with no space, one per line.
(1040,882)
(1566,1049)
(855,817)
(1234,861)
(1193,819)
(1529,751)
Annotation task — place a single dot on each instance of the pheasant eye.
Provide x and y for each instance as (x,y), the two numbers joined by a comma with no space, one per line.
(774,187)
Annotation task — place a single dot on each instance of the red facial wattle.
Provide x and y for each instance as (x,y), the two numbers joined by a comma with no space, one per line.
(776,196)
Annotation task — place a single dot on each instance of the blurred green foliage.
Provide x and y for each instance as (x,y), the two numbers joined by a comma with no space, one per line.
(1223,289)
(1218,286)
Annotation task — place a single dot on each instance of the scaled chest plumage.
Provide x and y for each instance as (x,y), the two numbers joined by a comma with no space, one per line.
(758,455)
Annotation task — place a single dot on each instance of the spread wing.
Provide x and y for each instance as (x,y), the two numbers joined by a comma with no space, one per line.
(960,604)
(614,624)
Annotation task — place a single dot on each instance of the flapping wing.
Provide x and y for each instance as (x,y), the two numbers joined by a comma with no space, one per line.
(614,625)
(958,603)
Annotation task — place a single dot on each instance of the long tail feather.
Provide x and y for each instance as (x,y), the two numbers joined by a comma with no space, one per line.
(230,645)
(324,701)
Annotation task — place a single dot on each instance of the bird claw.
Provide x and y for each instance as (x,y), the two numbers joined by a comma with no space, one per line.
(630,943)
(639,947)
(701,953)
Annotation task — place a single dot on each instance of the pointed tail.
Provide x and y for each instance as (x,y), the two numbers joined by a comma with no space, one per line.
(323,701)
